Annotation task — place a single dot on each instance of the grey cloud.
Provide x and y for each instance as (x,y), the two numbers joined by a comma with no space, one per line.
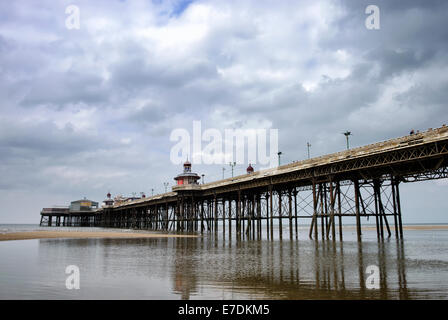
(59,89)
(140,72)
(394,62)
(43,140)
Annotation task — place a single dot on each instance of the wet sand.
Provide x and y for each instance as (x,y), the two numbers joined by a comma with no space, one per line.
(405,227)
(26,235)
(84,235)
(435,227)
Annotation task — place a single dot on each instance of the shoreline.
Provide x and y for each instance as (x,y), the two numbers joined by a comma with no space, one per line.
(29,235)
(62,234)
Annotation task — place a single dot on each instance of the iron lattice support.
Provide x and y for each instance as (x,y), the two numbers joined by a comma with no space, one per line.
(266,212)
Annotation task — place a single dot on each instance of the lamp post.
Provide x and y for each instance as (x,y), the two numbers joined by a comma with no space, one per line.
(223,169)
(152,191)
(279,154)
(202,178)
(308,146)
(347,134)
(232,165)
(166,184)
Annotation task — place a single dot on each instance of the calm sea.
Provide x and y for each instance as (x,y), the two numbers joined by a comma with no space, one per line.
(213,267)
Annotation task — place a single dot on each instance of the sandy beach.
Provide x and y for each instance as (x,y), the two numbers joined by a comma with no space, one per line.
(44,234)
(84,235)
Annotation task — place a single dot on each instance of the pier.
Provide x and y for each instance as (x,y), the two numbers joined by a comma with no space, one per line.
(360,183)
(80,213)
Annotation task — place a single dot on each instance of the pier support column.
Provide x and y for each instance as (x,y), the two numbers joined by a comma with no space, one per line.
(290,213)
(202,216)
(230,218)
(295,213)
(280,229)
(323,209)
(358,219)
(313,226)
(223,218)
(400,224)
(338,188)
(259,216)
(267,215)
(394,202)
(271,207)
(215,212)
(238,214)
(331,224)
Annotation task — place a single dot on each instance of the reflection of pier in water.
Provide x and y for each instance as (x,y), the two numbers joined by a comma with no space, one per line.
(184,274)
(217,268)
(283,270)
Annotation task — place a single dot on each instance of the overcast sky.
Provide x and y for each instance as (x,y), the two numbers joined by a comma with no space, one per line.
(90,110)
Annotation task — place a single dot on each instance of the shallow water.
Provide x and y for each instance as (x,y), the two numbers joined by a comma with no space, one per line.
(211,267)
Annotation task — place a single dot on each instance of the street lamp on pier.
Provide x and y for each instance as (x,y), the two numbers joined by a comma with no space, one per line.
(232,165)
(308,146)
(347,134)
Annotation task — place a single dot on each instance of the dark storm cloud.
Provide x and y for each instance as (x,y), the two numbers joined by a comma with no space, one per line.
(405,25)
(394,62)
(43,140)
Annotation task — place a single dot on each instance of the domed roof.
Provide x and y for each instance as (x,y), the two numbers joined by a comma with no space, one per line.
(187,174)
